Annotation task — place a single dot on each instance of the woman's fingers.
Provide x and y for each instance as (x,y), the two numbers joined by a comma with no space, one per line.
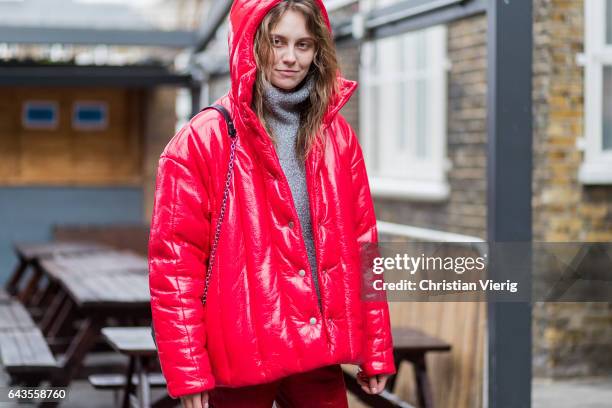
(368,384)
(186,402)
(366,388)
(364,385)
(373,384)
(362,380)
(197,400)
(382,382)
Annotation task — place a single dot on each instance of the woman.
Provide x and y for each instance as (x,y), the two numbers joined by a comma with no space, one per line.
(284,304)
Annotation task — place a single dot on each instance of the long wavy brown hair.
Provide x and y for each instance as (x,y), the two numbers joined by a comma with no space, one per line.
(323,68)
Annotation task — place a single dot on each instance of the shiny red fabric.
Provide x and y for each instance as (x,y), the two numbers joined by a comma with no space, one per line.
(262,321)
(319,388)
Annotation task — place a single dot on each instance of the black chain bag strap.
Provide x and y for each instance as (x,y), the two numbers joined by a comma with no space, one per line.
(231,130)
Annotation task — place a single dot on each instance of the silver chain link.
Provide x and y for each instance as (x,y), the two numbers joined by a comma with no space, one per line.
(213,249)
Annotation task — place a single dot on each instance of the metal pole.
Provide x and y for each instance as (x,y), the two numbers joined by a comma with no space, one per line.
(509,176)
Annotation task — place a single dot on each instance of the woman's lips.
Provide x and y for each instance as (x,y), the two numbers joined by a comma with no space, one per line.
(288,73)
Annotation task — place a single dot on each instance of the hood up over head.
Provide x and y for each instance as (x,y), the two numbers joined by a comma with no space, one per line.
(245,18)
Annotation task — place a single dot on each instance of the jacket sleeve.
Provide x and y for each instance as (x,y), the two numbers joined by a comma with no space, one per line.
(178,256)
(378,358)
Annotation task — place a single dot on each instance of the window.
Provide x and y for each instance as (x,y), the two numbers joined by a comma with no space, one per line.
(597,165)
(40,115)
(90,115)
(403,113)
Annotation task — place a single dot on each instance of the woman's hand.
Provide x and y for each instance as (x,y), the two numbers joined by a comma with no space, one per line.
(372,385)
(197,400)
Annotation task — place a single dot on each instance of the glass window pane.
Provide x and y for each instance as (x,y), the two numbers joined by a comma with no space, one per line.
(402,133)
(374,113)
(420,51)
(376,60)
(607,109)
(387,55)
(408,55)
(396,79)
(421,118)
(401,50)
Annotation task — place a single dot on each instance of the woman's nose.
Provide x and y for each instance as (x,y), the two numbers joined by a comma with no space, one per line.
(289,57)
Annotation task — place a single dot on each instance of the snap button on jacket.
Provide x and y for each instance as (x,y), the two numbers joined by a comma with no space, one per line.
(262,319)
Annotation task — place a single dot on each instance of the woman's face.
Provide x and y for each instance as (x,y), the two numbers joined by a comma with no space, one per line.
(294,49)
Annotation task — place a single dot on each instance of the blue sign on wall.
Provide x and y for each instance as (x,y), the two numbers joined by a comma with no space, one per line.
(40,115)
(90,115)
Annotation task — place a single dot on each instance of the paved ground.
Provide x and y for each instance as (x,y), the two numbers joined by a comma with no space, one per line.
(82,395)
(587,393)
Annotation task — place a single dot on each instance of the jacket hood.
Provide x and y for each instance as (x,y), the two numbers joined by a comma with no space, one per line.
(245,17)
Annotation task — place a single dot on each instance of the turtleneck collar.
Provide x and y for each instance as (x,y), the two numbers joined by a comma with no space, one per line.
(284,105)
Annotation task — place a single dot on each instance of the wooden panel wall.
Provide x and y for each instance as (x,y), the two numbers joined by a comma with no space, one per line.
(68,156)
(456,377)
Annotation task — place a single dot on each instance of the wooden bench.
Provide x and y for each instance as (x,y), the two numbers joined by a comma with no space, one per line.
(14,315)
(24,353)
(117,382)
(410,345)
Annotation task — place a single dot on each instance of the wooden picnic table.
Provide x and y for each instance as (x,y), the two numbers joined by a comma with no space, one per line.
(67,274)
(23,350)
(412,345)
(29,254)
(102,262)
(99,287)
(137,343)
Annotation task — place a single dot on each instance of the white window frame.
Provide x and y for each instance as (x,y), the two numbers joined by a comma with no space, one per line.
(596,167)
(424,179)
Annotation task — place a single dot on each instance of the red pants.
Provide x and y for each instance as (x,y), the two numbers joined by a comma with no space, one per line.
(320,388)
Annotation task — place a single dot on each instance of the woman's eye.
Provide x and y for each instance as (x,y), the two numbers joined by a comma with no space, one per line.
(276,41)
(304,45)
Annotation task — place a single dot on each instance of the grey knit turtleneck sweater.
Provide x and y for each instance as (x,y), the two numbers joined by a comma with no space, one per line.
(283,117)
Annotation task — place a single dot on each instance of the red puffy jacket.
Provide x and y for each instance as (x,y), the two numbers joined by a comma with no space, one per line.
(262,320)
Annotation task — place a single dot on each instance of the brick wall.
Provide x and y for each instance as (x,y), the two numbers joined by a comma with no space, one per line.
(569,338)
(348,58)
(465,210)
